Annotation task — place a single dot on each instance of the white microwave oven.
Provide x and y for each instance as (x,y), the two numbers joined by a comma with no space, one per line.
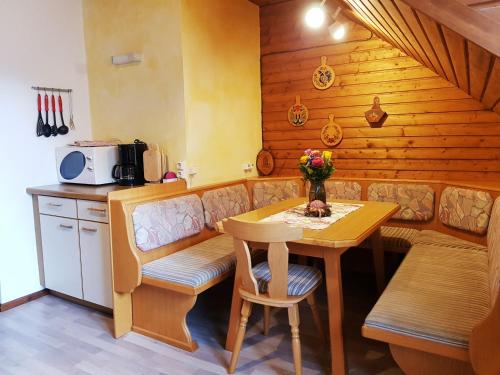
(86,165)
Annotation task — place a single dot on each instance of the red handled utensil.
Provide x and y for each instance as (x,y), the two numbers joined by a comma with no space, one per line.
(46,130)
(39,123)
(63,129)
(53,129)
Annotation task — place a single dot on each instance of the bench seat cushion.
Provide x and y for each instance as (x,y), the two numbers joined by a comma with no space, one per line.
(195,265)
(301,279)
(432,237)
(395,239)
(437,294)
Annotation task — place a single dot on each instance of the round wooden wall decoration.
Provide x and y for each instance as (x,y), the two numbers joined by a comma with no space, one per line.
(323,76)
(331,133)
(265,162)
(298,113)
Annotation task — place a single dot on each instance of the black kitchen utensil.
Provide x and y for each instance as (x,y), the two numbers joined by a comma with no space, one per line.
(53,129)
(39,123)
(63,129)
(46,130)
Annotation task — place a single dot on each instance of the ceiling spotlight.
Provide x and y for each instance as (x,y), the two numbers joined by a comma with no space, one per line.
(337,30)
(315,16)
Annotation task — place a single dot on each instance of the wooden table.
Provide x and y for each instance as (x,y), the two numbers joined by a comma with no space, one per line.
(328,244)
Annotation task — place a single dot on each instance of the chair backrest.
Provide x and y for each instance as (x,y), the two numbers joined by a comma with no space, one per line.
(274,234)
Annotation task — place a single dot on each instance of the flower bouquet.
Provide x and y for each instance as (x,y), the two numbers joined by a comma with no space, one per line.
(316,167)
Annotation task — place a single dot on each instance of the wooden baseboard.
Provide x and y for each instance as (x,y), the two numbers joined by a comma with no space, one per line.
(22,300)
(82,302)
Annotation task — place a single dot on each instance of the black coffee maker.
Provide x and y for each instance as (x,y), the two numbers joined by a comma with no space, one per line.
(130,170)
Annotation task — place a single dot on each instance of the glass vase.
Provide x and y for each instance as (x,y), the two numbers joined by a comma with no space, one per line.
(317,191)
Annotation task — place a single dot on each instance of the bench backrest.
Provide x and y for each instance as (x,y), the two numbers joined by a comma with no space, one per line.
(269,192)
(465,209)
(159,223)
(416,200)
(225,202)
(343,190)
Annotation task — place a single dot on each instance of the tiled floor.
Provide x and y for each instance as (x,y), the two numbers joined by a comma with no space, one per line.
(53,336)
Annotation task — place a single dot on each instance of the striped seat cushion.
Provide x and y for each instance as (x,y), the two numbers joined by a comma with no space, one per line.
(301,279)
(437,294)
(395,239)
(195,265)
(432,237)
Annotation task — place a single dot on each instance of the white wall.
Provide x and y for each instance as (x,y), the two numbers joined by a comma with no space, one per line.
(41,43)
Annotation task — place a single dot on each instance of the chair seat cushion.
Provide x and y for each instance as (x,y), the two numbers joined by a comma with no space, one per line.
(395,239)
(438,294)
(432,237)
(195,265)
(301,279)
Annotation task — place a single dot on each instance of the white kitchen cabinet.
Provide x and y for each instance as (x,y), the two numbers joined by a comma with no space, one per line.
(61,255)
(76,248)
(96,262)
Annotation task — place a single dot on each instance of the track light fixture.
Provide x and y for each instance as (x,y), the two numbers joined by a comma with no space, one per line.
(315,18)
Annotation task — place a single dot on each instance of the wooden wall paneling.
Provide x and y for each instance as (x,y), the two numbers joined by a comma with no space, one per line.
(479,67)
(436,39)
(455,44)
(400,23)
(434,129)
(491,95)
(414,24)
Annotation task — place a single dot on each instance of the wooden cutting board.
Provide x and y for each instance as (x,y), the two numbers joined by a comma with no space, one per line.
(152,164)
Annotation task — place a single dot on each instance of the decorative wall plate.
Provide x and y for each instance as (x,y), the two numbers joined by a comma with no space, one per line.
(265,162)
(298,113)
(323,76)
(376,116)
(331,133)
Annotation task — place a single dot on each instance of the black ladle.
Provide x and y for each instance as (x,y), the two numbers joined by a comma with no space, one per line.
(63,129)
(53,129)
(46,130)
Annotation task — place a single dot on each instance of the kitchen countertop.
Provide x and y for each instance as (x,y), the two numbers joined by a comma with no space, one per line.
(88,192)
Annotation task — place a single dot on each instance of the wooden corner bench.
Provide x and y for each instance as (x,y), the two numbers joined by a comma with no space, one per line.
(440,313)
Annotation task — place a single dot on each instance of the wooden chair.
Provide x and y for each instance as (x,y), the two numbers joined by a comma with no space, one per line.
(274,283)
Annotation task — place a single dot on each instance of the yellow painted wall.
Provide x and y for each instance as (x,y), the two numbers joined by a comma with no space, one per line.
(142,100)
(221,54)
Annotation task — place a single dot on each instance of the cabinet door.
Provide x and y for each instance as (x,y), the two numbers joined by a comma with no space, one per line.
(61,255)
(96,262)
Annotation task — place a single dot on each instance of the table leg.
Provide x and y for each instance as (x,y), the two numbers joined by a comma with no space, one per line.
(335,311)
(378,259)
(234,317)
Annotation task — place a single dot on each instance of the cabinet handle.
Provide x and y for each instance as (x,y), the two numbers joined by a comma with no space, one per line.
(54,204)
(96,209)
(89,229)
(66,226)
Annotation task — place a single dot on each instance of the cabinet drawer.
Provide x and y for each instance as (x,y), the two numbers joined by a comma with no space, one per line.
(57,206)
(96,263)
(93,211)
(61,255)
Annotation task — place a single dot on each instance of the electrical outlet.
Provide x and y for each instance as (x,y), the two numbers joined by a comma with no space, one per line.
(247,167)
(181,165)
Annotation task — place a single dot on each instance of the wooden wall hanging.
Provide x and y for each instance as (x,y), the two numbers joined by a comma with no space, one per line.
(331,133)
(323,76)
(298,113)
(375,116)
(265,163)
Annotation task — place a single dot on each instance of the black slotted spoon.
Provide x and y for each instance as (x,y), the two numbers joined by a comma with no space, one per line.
(63,129)
(46,129)
(39,123)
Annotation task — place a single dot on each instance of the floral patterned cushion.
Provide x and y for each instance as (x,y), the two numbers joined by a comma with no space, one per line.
(494,251)
(416,201)
(162,222)
(269,192)
(465,209)
(225,202)
(343,190)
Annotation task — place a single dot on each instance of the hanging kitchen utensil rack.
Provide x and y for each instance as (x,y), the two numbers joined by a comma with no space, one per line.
(50,89)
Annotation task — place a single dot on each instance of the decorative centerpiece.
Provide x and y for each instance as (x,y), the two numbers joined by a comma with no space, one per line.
(316,167)
(317,208)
